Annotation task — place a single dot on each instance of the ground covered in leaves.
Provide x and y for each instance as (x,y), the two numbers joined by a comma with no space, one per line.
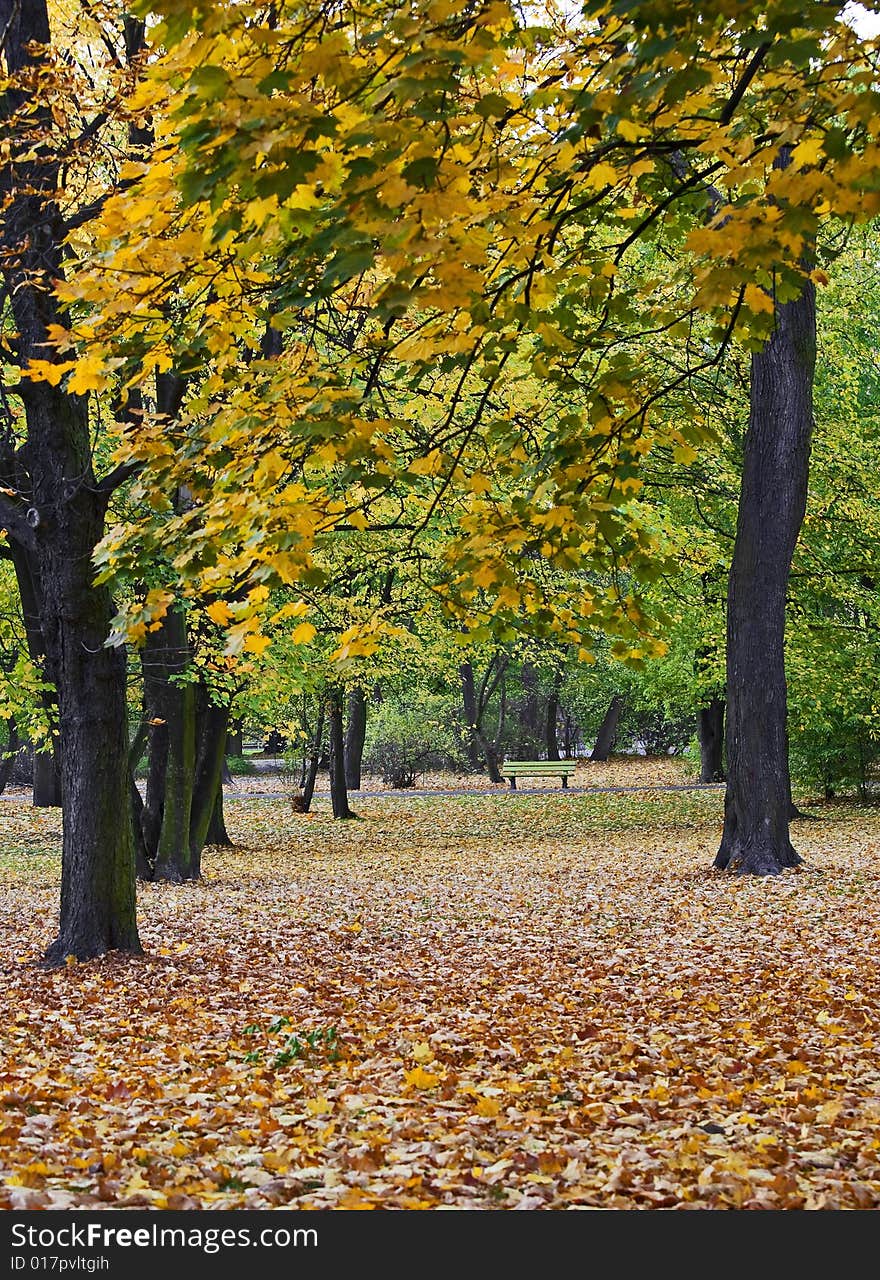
(491,1001)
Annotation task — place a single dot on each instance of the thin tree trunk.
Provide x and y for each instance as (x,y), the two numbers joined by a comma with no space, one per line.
(8,758)
(710,725)
(175,704)
(311,773)
(773,497)
(528,713)
(551,721)
(469,701)
(355,735)
(338,790)
(607,735)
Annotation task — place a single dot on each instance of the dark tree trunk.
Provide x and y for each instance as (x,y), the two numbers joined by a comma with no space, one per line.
(568,736)
(528,713)
(234,740)
(47,780)
(551,721)
(607,735)
(492,756)
(207,793)
(772,504)
(154,802)
(310,776)
(7,759)
(166,658)
(275,744)
(46,766)
(476,705)
(58,526)
(338,790)
(217,834)
(355,735)
(469,701)
(710,725)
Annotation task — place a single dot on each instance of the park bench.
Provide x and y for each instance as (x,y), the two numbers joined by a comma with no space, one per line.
(514,769)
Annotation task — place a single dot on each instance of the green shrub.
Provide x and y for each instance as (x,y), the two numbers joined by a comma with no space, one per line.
(405,739)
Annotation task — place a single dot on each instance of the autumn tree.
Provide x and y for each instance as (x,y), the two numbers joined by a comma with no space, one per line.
(54,500)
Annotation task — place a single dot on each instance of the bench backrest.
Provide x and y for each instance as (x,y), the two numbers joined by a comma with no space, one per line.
(538,766)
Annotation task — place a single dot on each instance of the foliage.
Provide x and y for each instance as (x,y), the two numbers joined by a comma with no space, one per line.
(433,255)
(411,736)
(240,765)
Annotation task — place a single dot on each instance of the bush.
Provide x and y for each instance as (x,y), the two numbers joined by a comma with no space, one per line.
(406,739)
(240,765)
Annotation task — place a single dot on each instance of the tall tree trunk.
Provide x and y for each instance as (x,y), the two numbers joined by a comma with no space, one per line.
(311,765)
(710,726)
(771,509)
(607,735)
(494,678)
(175,704)
(206,816)
(469,702)
(47,779)
(46,771)
(338,790)
(551,721)
(7,759)
(355,735)
(568,736)
(58,526)
(234,740)
(528,713)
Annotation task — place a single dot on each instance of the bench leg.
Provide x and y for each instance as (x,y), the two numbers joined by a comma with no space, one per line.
(513,784)
(565,781)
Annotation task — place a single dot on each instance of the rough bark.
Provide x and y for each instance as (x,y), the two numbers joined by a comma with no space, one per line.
(773,495)
(607,735)
(57,520)
(710,728)
(355,735)
(338,789)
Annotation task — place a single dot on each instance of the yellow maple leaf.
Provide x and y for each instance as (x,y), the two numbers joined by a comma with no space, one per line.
(758,300)
(318,1106)
(630,131)
(88,375)
(806,152)
(304,633)
(219,612)
(602,175)
(48,371)
(419,1078)
(488,1107)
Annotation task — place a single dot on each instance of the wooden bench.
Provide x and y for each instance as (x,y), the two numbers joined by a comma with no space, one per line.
(514,769)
